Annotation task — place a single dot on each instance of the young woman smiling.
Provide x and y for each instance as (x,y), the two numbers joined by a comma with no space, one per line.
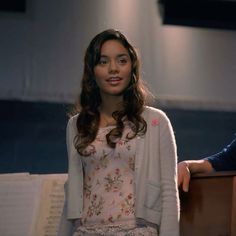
(122,153)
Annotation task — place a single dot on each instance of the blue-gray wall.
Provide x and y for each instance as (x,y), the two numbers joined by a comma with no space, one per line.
(33,135)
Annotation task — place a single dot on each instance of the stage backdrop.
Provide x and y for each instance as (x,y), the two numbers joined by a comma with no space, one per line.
(41,52)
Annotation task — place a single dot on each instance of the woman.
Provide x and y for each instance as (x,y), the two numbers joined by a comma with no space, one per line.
(122,154)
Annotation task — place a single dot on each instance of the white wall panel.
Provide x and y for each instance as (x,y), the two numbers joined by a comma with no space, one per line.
(41,52)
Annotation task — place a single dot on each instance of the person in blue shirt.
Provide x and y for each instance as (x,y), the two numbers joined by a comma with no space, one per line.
(225,160)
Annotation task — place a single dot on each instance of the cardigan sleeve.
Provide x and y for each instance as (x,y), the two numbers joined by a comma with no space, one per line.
(65,226)
(169,190)
(73,186)
(75,174)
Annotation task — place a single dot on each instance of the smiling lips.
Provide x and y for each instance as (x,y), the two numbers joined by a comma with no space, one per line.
(114,80)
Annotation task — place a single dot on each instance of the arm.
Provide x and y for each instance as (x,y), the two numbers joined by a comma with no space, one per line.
(75,174)
(72,186)
(170,198)
(65,226)
(225,160)
(222,161)
(189,167)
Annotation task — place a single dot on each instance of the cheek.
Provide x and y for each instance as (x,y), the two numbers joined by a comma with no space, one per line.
(128,75)
(128,71)
(98,73)
(99,76)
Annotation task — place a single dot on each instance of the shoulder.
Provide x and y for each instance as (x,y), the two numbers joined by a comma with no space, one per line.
(71,125)
(233,142)
(72,120)
(231,147)
(154,113)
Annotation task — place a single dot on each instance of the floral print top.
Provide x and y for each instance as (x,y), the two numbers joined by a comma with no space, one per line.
(108,181)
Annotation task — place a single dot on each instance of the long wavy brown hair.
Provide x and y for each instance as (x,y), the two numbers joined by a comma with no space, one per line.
(134,97)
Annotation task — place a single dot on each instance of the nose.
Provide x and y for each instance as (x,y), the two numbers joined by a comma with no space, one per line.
(113,67)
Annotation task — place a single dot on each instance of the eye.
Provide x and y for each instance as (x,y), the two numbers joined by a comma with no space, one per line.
(102,61)
(122,60)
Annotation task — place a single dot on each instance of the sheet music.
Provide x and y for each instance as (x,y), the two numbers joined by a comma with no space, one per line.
(31,205)
(18,206)
(51,205)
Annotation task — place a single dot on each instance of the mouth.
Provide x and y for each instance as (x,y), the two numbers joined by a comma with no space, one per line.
(114,80)
(111,79)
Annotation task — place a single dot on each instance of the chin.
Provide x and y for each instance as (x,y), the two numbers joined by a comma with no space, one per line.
(115,92)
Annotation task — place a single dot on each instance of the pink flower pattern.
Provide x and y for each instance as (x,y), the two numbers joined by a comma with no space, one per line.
(155,122)
(108,185)
(127,206)
(113,182)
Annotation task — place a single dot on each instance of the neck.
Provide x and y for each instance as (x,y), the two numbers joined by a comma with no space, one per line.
(107,108)
(111,104)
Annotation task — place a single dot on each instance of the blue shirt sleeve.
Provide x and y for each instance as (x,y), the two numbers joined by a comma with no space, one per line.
(224,160)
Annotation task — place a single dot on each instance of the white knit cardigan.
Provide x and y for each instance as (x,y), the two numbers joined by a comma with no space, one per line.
(156,191)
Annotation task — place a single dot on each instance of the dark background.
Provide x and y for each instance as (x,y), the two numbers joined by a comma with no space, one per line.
(33,135)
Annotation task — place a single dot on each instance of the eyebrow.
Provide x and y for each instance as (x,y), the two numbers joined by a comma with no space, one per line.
(119,55)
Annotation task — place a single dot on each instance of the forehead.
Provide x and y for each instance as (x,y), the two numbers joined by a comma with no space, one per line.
(113,48)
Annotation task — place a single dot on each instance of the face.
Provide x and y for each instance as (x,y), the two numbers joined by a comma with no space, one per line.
(113,72)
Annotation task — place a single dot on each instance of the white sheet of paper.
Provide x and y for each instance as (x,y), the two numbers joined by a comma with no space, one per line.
(31,205)
(51,205)
(19,201)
